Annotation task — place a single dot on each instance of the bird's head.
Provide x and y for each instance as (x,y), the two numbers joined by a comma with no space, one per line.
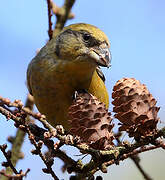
(83,43)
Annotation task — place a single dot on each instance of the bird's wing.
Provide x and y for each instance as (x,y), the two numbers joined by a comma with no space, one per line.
(100,73)
(28,80)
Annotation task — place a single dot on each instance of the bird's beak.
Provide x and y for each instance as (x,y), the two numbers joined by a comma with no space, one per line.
(101,55)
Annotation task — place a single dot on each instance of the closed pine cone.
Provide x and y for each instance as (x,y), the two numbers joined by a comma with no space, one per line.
(135,108)
(91,120)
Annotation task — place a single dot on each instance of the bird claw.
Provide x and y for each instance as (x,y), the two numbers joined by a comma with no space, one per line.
(76,93)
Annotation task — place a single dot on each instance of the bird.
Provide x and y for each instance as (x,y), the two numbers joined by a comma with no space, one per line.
(68,63)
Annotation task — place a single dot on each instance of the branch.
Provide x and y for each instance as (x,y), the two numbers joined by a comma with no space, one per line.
(8,158)
(100,158)
(15,177)
(62,15)
(19,137)
(8,163)
(37,151)
(136,161)
(50,31)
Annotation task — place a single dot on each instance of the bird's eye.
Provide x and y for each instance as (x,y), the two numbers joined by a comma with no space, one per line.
(86,37)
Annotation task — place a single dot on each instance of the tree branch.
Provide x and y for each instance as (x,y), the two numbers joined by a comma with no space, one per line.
(18,175)
(62,15)
(19,137)
(139,167)
(100,158)
(50,31)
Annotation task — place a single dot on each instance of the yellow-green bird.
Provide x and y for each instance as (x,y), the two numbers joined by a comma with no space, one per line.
(67,63)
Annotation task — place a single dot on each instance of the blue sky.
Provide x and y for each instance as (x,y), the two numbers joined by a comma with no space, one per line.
(136,30)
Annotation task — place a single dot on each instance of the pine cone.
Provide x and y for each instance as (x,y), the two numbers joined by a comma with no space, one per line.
(135,108)
(91,121)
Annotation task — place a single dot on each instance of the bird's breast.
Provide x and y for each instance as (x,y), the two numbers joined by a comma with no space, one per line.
(53,86)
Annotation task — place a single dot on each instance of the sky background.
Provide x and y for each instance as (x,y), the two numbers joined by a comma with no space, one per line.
(136,29)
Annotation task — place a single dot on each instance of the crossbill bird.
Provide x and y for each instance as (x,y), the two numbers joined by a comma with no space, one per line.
(67,63)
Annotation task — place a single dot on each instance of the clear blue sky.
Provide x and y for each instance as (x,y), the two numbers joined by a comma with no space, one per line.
(136,30)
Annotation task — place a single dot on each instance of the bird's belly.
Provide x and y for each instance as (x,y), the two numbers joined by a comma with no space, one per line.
(53,95)
(54,101)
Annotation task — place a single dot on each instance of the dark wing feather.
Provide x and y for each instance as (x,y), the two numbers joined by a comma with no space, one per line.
(100,73)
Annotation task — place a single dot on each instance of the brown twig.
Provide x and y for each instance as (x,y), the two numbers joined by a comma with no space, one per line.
(25,127)
(157,143)
(57,10)
(9,115)
(15,177)
(18,175)
(135,158)
(8,158)
(40,133)
(103,158)
(62,15)
(20,135)
(37,151)
(134,152)
(50,31)
(139,167)
(42,119)
(34,128)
